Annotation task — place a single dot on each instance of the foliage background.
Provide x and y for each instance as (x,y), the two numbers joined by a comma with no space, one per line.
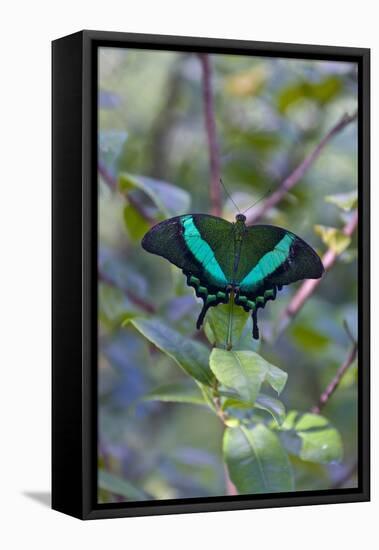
(269,114)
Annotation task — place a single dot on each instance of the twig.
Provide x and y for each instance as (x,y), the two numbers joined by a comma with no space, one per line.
(309,286)
(333,385)
(210,127)
(299,171)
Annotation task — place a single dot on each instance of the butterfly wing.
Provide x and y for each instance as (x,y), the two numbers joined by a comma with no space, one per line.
(200,245)
(270,258)
(208,251)
(270,254)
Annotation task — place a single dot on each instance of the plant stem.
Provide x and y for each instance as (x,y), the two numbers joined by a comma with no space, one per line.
(333,385)
(299,172)
(229,334)
(210,127)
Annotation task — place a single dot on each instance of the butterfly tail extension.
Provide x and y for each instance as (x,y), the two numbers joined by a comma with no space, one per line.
(210,297)
(254,316)
(201,317)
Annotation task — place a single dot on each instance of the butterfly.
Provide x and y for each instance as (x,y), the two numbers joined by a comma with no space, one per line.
(223,260)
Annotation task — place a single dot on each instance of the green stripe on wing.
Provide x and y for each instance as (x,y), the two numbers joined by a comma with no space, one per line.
(202,251)
(268,264)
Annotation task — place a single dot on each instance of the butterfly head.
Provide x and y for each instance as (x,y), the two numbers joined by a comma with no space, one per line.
(240,218)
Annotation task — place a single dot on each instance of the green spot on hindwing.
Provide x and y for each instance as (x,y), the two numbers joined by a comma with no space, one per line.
(270,294)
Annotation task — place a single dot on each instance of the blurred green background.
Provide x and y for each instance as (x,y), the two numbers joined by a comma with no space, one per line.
(270,113)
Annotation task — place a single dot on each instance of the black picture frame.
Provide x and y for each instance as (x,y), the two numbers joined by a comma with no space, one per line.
(74,273)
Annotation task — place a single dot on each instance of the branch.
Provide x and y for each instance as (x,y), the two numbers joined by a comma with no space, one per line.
(309,286)
(299,172)
(210,127)
(333,385)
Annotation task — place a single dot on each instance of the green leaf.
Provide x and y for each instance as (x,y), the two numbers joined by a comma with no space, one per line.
(290,420)
(334,238)
(272,406)
(309,338)
(244,372)
(256,460)
(207,394)
(326,89)
(276,377)
(119,486)
(345,201)
(129,316)
(179,392)
(114,306)
(136,225)
(191,356)
(217,324)
(169,199)
(235,403)
(321,92)
(312,438)
(263,402)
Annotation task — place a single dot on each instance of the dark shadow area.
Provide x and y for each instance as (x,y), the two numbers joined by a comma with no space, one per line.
(43,497)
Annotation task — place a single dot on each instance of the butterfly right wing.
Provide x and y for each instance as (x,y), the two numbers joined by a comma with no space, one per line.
(272,257)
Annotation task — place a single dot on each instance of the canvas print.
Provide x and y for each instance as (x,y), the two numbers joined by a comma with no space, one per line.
(227,275)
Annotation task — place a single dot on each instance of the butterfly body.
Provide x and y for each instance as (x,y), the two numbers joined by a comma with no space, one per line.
(223,260)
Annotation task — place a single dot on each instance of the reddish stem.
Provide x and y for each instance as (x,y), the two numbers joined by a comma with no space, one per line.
(333,385)
(299,172)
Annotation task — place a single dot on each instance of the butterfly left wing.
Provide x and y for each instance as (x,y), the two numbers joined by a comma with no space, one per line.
(200,245)
(270,258)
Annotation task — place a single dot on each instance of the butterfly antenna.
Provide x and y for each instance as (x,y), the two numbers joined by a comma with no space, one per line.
(226,191)
(259,200)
